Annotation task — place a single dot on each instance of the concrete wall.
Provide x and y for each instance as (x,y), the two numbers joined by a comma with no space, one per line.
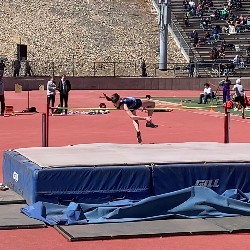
(117,83)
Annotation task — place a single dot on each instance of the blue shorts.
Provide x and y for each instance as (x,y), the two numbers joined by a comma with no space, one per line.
(138,105)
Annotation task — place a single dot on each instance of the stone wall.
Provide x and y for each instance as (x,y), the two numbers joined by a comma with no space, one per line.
(82,32)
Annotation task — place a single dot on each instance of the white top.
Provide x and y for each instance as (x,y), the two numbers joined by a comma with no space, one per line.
(51,88)
(208,90)
(239,90)
(191,3)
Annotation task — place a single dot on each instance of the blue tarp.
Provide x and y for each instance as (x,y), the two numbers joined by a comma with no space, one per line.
(193,202)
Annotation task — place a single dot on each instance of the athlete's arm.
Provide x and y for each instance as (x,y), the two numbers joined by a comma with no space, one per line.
(107,97)
(132,116)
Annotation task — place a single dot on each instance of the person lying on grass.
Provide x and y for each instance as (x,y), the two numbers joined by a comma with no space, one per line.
(130,105)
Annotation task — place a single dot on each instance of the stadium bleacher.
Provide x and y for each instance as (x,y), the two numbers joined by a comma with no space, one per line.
(240,40)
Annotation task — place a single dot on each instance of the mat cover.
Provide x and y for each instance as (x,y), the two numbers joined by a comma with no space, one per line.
(193,202)
(135,154)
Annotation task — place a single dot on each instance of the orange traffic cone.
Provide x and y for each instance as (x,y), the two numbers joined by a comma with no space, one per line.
(181,102)
(211,109)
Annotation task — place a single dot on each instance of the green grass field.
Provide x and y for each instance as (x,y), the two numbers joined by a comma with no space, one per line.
(192,103)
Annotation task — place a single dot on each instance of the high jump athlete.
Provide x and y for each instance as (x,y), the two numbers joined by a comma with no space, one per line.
(130,105)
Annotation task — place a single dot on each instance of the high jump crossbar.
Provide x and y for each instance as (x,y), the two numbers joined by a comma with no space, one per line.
(45,120)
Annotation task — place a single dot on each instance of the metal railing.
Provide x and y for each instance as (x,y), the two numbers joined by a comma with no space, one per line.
(182,42)
(127,69)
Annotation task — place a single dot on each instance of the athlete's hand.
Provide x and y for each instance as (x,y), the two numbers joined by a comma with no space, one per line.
(107,98)
(148,119)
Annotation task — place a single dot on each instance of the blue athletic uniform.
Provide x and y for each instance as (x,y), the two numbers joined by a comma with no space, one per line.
(131,102)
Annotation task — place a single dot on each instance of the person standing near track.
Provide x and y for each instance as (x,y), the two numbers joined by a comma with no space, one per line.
(2,99)
(226,89)
(130,105)
(2,67)
(239,95)
(64,86)
(143,68)
(51,92)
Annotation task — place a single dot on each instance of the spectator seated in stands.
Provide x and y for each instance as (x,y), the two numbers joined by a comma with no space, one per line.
(224,29)
(186,20)
(218,28)
(248,21)
(241,62)
(222,53)
(209,4)
(216,15)
(224,13)
(230,46)
(199,10)
(218,69)
(194,34)
(248,51)
(232,16)
(248,60)
(215,34)
(223,44)
(238,61)
(242,19)
(192,12)
(223,69)
(230,69)
(207,38)
(238,27)
(214,54)
(207,94)
(230,4)
(192,8)
(191,4)
(195,37)
(186,4)
(237,4)
(205,23)
(231,29)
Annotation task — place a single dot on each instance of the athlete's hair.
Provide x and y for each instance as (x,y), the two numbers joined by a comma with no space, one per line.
(115,98)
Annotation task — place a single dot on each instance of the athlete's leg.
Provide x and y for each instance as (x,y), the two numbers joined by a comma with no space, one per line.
(137,128)
(150,105)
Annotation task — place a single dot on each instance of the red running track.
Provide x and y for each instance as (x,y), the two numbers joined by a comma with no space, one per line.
(116,127)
